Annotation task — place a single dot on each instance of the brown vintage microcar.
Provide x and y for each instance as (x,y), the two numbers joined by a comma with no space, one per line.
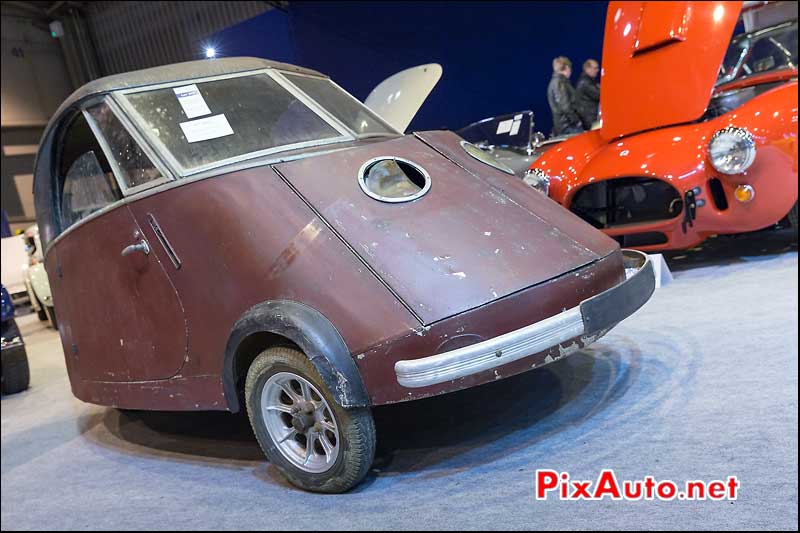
(242,233)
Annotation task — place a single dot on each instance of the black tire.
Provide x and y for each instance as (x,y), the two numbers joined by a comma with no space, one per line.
(356,426)
(793,217)
(16,373)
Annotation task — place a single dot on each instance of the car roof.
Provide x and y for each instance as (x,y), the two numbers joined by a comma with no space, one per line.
(177,72)
(42,182)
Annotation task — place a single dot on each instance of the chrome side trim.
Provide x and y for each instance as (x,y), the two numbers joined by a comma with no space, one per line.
(491,353)
(173,255)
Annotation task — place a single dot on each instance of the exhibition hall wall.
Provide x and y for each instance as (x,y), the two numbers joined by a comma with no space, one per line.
(496,56)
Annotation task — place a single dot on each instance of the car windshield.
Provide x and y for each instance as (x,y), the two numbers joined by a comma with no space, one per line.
(209,123)
(340,104)
(512,130)
(763,51)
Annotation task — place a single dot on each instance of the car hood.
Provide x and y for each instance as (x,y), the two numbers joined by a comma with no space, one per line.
(398,98)
(660,62)
(473,238)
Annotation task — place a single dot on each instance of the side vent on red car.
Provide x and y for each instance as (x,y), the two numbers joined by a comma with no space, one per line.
(718,194)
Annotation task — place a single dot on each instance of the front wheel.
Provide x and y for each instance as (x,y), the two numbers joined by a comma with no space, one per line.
(317,444)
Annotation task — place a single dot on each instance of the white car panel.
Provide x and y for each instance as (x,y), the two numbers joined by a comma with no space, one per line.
(398,98)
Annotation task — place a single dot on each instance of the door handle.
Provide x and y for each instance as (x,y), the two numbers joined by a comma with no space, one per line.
(140,246)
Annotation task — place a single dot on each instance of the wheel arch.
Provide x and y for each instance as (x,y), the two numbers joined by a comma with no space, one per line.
(282,322)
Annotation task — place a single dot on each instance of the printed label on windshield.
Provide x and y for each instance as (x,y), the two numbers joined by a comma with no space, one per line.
(504,126)
(206,128)
(191,101)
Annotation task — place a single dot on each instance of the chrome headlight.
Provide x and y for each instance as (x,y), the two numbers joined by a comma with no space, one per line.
(732,150)
(485,157)
(538,179)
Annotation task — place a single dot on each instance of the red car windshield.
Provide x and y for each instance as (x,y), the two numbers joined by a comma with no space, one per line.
(766,50)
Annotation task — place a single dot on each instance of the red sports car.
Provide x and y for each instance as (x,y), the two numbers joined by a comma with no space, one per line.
(677,159)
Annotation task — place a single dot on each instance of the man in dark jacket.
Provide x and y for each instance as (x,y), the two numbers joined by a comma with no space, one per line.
(561,97)
(588,93)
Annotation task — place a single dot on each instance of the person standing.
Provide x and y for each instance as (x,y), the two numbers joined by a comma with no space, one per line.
(588,93)
(561,97)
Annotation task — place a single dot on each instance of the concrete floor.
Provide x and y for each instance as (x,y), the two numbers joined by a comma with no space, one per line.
(700,384)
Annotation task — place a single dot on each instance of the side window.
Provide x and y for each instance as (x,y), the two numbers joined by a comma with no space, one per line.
(85,178)
(134,167)
(86,189)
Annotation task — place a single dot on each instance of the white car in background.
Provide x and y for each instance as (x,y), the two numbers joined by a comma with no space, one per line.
(36,282)
(14,261)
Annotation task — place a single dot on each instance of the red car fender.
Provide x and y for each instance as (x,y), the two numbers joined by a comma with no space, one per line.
(679,155)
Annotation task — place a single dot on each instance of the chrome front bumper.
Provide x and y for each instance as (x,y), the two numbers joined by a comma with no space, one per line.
(593,315)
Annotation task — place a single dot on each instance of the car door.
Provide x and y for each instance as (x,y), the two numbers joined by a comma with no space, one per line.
(120,317)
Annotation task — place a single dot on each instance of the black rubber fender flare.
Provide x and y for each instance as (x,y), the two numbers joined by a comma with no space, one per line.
(313,333)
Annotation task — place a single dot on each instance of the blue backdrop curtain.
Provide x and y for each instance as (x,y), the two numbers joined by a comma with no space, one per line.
(496,55)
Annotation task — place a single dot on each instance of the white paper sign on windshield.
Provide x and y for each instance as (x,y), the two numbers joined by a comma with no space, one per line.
(191,101)
(504,126)
(204,129)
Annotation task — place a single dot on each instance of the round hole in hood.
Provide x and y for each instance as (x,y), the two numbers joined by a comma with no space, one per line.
(393,179)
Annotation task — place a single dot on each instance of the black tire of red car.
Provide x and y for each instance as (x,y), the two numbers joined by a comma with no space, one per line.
(793,217)
(356,426)
(16,373)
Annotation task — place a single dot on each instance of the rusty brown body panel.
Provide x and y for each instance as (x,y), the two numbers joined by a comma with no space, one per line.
(246,237)
(465,238)
(499,317)
(448,144)
(122,318)
(270,246)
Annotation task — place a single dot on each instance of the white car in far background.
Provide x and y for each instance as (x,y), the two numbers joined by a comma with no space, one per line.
(36,282)
(14,261)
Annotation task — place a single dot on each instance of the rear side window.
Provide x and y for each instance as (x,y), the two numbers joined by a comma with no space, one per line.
(86,182)
(133,166)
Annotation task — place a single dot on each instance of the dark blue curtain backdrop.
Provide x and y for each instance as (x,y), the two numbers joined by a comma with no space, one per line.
(496,56)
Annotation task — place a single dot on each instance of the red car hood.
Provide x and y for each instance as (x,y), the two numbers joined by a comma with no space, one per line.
(660,62)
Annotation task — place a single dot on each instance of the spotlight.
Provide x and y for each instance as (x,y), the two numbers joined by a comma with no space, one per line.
(211,53)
